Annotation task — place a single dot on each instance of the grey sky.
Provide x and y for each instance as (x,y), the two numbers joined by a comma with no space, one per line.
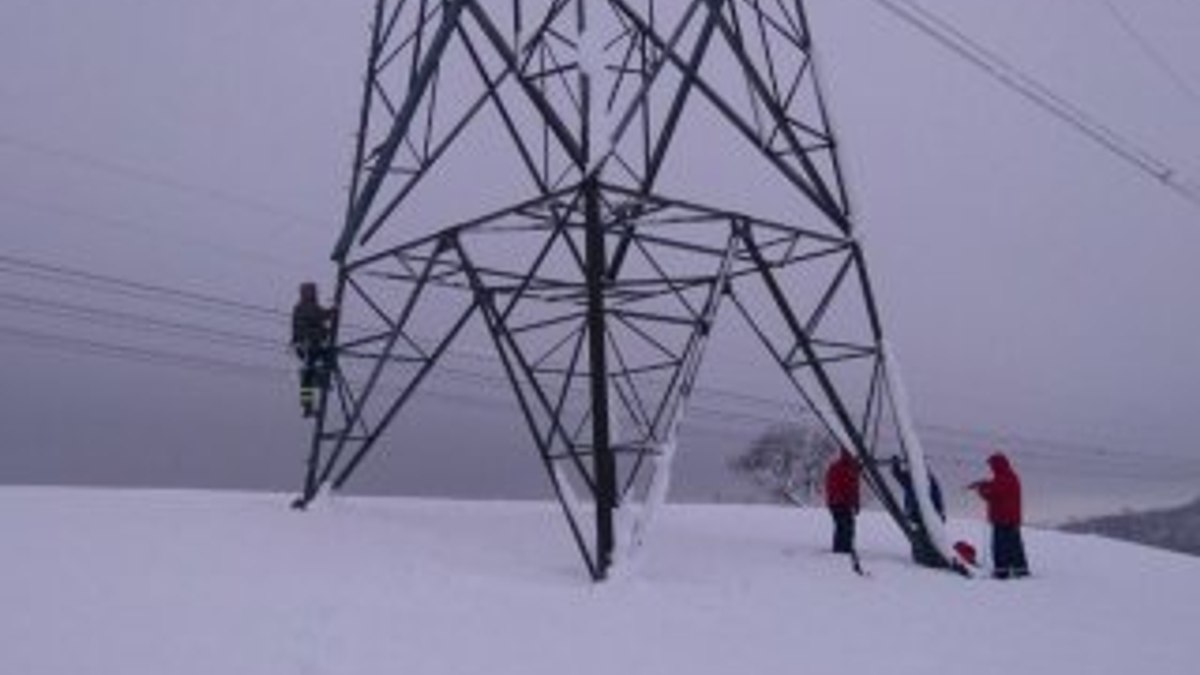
(1033,284)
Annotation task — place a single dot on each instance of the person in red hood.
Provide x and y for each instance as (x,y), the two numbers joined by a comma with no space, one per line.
(841,496)
(1002,493)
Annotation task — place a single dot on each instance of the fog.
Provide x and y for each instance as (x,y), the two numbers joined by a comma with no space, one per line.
(1040,291)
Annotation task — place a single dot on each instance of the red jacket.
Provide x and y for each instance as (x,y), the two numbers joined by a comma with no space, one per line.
(841,482)
(1002,493)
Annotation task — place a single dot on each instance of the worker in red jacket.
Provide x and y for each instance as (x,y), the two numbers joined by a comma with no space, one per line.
(841,496)
(1002,493)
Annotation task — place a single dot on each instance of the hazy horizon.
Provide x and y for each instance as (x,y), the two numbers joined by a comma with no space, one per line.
(1039,291)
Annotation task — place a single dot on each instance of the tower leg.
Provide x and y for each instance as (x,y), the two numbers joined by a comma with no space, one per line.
(603,457)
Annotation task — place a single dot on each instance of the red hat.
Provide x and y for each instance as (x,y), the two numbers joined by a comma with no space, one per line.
(966,552)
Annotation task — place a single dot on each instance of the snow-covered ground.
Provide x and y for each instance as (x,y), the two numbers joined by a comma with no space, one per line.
(157,583)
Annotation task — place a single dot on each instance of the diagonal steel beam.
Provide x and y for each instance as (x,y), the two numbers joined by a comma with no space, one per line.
(404,118)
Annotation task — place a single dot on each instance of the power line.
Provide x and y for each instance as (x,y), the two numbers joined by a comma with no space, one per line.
(209,302)
(1006,440)
(161,180)
(1149,50)
(247,310)
(188,362)
(1039,93)
(73,276)
(709,417)
(141,290)
(1050,455)
(127,225)
(219,366)
(59,342)
(950,37)
(124,319)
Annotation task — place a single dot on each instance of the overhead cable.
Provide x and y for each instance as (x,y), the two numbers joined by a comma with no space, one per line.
(1108,464)
(244,202)
(27,267)
(244,310)
(128,225)
(59,342)
(221,366)
(950,37)
(94,316)
(1150,51)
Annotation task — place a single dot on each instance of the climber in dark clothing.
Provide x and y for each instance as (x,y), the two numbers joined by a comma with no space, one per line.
(922,551)
(904,478)
(311,333)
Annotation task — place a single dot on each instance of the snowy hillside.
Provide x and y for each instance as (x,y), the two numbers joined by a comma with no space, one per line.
(157,583)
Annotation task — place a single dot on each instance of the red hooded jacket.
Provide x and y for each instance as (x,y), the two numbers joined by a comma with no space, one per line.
(841,482)
(1002,493)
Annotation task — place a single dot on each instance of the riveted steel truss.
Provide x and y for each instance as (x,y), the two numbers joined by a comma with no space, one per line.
(600,277)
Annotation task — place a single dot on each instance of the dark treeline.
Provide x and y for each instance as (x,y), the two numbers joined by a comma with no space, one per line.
(1176,529)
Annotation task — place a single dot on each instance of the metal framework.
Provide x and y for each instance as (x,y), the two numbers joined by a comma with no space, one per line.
(600,268)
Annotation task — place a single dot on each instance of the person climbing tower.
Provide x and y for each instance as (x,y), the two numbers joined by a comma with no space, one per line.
(312,330)
(922,551)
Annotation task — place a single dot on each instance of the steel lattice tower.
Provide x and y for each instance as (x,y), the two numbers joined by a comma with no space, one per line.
(663,160)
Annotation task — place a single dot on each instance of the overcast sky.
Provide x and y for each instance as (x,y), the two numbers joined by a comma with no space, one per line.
(1033,284)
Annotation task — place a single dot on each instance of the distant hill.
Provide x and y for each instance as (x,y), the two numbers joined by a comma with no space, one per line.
(1176,529)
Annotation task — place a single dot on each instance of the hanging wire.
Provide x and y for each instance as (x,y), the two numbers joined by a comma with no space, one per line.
(138,228)
(712,422)
(1150,51)
(286,216)
(723,414)
(1025,85)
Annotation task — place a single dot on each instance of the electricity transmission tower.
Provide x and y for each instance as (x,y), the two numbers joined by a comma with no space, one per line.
(595,182)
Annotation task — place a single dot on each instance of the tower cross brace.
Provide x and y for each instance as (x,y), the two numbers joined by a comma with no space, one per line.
(626,172)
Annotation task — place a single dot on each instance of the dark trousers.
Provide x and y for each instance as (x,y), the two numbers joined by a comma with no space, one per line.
(316,364)
(843,528)
(1008,552)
